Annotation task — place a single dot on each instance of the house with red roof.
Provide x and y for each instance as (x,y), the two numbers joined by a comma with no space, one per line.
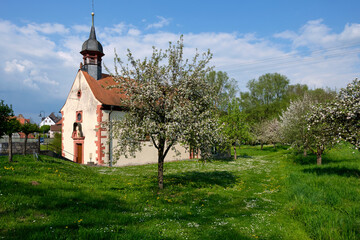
(22,121)
(87,109)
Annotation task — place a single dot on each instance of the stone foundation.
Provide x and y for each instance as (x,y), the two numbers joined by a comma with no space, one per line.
(17,148)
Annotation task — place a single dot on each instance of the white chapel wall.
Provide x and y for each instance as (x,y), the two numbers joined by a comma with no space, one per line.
(147,155)
(87,104)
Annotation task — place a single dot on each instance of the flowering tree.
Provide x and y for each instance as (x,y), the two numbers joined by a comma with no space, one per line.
(339,119)
(321,133)
(168,99)
(267,132)
(344,113)
(293,123)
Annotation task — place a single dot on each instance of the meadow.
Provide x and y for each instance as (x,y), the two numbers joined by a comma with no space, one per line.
(264,194)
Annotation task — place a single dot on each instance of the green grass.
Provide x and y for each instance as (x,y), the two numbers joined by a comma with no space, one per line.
(269,194)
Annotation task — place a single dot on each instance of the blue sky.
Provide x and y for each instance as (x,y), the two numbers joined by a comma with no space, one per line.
(311,42)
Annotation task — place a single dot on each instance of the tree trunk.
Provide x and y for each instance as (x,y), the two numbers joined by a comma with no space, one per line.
(161,157)
(305,153)
(160,170)
(318,156)
(10,148)
(25,142)
(274,145)
(262,145)
(235,157)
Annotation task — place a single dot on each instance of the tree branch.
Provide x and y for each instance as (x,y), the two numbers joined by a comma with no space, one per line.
(168,148)
(153,140)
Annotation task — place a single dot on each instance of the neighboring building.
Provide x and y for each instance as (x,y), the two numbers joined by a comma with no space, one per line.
(50,120)
(88,105)
(22,121)
(55,128)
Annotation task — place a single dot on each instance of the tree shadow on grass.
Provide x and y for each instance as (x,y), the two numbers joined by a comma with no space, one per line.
(203,179)
(340,171)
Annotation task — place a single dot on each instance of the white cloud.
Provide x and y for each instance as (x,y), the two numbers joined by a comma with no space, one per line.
(81,28)
(46,28)
(315,34)
(17,65)
(36,61)
(161,23)
(134,32)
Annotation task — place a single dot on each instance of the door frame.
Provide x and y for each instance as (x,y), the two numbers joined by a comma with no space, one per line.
(76,143)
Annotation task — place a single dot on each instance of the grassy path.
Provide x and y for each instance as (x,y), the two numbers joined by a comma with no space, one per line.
(262,195)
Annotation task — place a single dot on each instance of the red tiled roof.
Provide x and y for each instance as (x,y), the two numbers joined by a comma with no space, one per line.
(102,94)
(55,128)
(21,119)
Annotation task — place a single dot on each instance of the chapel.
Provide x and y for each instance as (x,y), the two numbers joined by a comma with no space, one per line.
(88,106)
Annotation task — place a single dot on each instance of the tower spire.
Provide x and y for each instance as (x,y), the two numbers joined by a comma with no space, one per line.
(92,52)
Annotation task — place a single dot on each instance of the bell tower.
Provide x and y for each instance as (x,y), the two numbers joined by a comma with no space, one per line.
(92,52)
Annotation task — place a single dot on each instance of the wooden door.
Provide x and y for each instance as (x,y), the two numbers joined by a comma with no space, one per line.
(79,153)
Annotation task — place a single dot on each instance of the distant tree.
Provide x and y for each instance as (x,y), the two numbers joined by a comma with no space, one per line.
(44,129)
(322,95)
(272,131)
(264,99)
(225,88)
(235,127)
(12,125)
(5,113)
(267,132)
(28,128)
(297,90)
(168,99)
(293,123)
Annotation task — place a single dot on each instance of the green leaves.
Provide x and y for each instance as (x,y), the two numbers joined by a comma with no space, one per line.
(5,113)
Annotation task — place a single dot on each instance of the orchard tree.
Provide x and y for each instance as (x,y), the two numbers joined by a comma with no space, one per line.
(168,99)
(293,123)
(235,128)
(321,133)
(267,132)
(272,131)
(28,128)
(344,113)
(12,125)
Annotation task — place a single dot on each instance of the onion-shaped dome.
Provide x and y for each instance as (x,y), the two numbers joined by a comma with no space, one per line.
(92,44)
